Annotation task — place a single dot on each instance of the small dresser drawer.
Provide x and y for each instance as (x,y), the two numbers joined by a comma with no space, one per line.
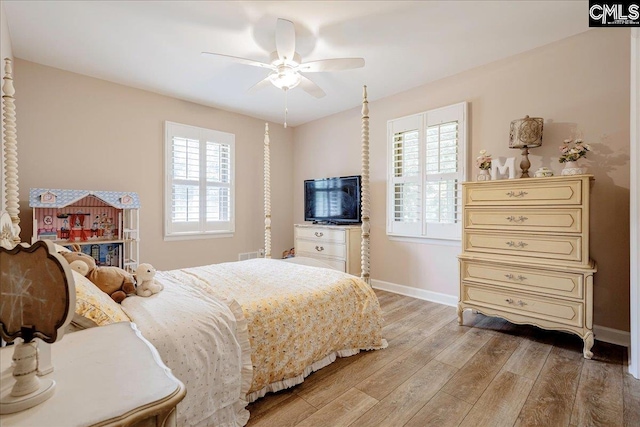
(563,220)
(527,246)
(524,193)
(546,282)
(320,234)
(553,310)
(321,248)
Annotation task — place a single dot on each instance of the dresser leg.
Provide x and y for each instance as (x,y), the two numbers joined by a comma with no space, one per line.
(460,310)
(588,343)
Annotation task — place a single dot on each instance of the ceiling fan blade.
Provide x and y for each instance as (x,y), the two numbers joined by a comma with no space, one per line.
(260,85)
(244,61)
(285,39)
(310,87)
(336,64)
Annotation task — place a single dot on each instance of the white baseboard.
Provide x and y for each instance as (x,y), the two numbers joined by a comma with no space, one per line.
(612,336)
(602,333)
(445,299)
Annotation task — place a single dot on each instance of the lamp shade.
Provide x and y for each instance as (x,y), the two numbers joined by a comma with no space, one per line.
(526,132)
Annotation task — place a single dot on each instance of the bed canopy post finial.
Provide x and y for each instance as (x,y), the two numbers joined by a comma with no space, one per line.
(10,150)
(267,194)
(366,198)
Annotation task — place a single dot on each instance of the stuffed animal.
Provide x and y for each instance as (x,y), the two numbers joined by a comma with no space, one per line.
(146,285)
(113,281)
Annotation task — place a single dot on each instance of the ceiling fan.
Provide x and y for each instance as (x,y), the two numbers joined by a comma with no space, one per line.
(286,65)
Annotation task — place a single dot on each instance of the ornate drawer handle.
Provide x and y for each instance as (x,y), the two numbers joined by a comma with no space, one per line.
(520,302)
(319,233)
(513,244)
(519,278)
(319,248)
(519,194)
(518,219)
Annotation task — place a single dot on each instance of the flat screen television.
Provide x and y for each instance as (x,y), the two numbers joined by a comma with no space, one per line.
(332,200)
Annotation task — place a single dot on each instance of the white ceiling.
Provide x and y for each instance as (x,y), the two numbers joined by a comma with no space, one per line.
(156,45)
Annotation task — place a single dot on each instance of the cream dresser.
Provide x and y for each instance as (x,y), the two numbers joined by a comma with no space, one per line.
(526,253)
(335,245)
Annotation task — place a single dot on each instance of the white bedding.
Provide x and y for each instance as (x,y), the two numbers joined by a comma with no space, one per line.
(199,339)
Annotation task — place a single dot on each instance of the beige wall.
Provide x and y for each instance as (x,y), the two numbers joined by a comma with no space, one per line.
(5,37)
(579,85)
(79,132)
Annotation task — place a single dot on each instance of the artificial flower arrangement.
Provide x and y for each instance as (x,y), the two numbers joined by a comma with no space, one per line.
(571,154)
(483,161)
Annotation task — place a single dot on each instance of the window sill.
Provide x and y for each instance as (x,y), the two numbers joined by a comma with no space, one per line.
(197,236)
(425,240)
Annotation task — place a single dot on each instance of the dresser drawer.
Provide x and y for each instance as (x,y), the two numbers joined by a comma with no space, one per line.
(522,192)
(563,220)
(321,234)
(527,246)
(321,248)
(523,279)
(552,310)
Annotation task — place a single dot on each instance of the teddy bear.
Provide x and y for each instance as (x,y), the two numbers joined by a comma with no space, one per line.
(113,281)
(146,285)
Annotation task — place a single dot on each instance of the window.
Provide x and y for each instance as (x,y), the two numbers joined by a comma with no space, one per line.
(426,166)
(199,189)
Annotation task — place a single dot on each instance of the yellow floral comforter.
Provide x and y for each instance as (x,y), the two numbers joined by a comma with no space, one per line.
(299,318)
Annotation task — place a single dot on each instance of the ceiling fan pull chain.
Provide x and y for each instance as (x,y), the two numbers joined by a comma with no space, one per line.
(286,110)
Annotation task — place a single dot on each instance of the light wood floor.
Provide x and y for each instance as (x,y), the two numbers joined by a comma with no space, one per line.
(435,373)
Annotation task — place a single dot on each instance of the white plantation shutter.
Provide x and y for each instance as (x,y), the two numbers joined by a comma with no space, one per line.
(427,159)
(199,194)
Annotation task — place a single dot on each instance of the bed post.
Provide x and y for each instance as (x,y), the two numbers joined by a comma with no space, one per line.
(10,150)
(267,194)
(366,200)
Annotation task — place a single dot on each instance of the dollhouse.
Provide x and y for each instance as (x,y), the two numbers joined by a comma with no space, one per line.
(104,224)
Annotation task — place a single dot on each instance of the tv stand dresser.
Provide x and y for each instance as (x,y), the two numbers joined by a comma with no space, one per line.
(526,253)
(335,245)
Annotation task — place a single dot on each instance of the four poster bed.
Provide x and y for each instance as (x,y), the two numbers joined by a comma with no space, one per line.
(233,332)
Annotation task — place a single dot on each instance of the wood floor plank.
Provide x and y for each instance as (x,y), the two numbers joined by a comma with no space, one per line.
(443,410)
(287,413)
(322,374)
(415,315)
(528,359)
(392,302)
(398,407)
(465,347)
(471,381)
(261,406)
(386,379)
(501,402)
(341,412)
(340,381)
(551,400)
(631,401)
(408,307)
(422,325)
(599,399)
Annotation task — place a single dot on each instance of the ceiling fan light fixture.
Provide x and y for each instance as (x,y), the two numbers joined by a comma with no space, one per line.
(285,80)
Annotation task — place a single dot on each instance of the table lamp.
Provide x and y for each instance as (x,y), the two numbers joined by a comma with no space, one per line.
(37,300)
(526,133)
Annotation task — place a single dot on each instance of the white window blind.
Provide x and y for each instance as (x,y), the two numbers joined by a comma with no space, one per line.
(199,193)
(426,167)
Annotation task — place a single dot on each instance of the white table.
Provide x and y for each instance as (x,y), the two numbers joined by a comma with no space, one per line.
(105,376)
